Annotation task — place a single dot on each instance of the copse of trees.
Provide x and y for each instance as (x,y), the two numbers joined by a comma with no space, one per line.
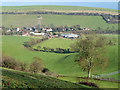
(36,66)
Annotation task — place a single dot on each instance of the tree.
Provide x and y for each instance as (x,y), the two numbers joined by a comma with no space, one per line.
(91,53)
(37,65)
(38,48)
(23,66)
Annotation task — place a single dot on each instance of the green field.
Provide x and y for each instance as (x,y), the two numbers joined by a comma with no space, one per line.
(91,22)
(18,79)
(56,43)
(12,46)
(100,84)
(49,7)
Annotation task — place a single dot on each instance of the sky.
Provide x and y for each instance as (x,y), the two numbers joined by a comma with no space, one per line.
(59,0)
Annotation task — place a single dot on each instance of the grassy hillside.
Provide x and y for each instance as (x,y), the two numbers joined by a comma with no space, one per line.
(18,79)
(99,83)
(92,22)
(12,46)
(49,7)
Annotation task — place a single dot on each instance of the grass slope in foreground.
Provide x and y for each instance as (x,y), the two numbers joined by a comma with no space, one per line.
(18,79)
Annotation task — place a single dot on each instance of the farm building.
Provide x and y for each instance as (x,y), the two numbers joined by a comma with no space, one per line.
(49,30)
(25,34)
(9,30)
(69,35)
(37,33)
(17,29)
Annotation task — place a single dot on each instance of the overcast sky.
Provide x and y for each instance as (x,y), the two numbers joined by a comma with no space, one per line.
(59,0)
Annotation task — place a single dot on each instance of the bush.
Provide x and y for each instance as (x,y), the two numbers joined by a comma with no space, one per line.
(45,70)
(9,62)
(36,66)
(23,67)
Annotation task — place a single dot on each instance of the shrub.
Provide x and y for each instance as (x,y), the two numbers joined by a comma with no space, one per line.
(23,66)
(36,66)
(45,70)
(9,62)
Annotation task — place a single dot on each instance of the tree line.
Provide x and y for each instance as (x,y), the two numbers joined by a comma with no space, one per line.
(57,50)
(32,42)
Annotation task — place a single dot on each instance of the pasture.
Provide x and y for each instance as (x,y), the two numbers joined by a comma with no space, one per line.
(91,22)
(100,84)
(12,46)
(56,43)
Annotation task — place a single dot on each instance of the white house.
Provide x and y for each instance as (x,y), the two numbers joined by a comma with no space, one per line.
(69,35)
(31,32)
(49,30)
(37,33)
(9,30)
(17,29)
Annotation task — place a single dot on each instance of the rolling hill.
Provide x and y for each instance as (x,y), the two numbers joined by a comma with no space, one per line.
(12,46)
(58,8)
(91,22)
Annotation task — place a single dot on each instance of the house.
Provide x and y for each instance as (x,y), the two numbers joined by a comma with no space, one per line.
(17,29)
(86,29)
(9,30)
(25,34)
(31,32)
(38,34)
(36,30)
(68,35)
(28,28)
(43,29)
(1,28)
(49,30)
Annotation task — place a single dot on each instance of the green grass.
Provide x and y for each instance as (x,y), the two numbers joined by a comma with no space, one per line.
(12,46)
(92,22)
(100,84)
(18,79)
(56,43)
(49,7)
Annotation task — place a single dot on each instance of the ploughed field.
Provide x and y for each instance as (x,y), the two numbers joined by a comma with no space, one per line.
(91,22)
(60,63)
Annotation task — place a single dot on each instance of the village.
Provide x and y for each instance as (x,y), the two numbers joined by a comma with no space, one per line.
(48,32)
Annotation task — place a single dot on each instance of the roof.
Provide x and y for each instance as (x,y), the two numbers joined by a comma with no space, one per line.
(69,35)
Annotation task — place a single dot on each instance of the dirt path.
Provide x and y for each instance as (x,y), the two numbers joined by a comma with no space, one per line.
(107,74)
